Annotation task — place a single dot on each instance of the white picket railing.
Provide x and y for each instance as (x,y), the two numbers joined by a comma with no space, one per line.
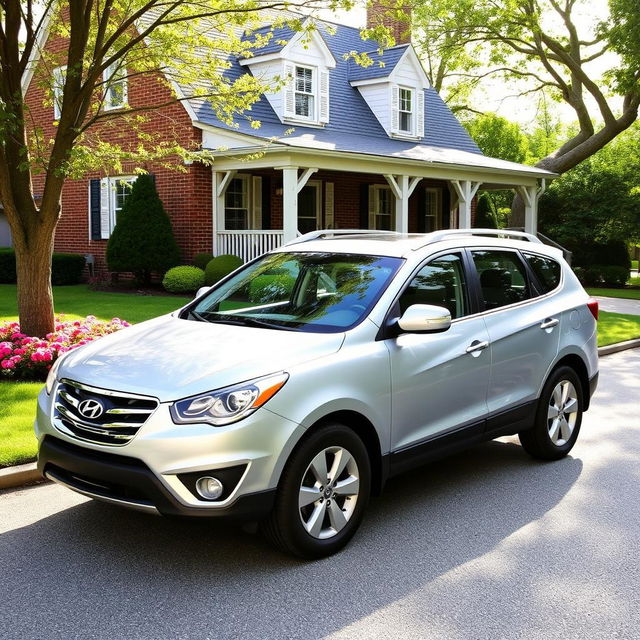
(247,244)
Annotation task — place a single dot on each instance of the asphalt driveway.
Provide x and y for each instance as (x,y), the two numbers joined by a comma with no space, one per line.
(486,544)
(620,305)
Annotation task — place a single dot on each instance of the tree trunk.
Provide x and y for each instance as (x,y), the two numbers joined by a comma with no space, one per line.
(33,267)
(516,219)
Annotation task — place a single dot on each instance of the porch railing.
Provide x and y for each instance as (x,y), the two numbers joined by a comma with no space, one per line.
(247,244)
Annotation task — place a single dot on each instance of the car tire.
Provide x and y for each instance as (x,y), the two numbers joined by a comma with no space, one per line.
(558,417)
(331,465)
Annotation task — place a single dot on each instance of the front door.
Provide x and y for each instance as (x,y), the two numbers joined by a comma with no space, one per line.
(439,380)
(309,218)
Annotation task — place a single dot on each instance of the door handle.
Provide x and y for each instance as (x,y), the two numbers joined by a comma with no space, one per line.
(549,323)
(476,346)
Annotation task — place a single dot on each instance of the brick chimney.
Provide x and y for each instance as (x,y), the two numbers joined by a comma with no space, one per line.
(381,11)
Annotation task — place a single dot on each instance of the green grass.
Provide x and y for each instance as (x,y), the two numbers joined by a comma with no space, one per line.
(632,294)
(17,411)
(18,399)
(634,264)
(617,327)
(78,301)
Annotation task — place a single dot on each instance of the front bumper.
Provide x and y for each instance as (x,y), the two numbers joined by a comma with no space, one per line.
(130,483)
(157,469)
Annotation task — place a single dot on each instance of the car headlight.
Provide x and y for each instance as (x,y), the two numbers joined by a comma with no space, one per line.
(224,406)
(53,372)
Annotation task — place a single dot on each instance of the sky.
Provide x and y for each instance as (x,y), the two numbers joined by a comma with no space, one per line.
(498,96)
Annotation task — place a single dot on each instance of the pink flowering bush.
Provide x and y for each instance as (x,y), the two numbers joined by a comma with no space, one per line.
(24,357)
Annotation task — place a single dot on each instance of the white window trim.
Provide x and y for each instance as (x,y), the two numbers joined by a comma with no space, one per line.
(108,73)
(317,185)
(374,205)
(59,74)
(412,113)
(251,211)
(314,92)
(113,183)
(437,191)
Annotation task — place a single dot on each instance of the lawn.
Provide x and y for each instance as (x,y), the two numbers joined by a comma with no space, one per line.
(617,327)
(633,294)
(78,301)
(18,399)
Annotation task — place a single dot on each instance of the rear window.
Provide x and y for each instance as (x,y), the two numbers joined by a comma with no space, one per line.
(547,271)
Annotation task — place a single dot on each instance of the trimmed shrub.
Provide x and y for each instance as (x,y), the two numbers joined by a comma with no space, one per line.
(613,253)
(7,266)
(271,288)
(66,268)
(201,260)
(220,267)
(485,215)
(142,241)
(25,357)
(184,279)
(614,276)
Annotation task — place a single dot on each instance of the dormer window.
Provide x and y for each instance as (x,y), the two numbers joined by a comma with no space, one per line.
(405,107)
(305,95)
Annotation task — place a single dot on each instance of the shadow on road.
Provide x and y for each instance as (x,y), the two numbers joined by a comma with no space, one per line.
(97,571)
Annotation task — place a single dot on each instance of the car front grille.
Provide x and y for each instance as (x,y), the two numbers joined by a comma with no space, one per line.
(100,415)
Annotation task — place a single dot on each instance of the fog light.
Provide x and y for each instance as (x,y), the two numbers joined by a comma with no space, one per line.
(209,488)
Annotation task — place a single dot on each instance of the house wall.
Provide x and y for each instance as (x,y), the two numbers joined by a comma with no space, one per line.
(378,98)
(184,190)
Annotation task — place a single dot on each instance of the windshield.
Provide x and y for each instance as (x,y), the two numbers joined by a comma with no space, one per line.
(319,292)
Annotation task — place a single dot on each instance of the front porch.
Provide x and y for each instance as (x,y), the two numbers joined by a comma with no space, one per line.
(262,203)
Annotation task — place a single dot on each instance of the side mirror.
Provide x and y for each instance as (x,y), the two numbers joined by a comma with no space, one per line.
(201,291)
(424,318)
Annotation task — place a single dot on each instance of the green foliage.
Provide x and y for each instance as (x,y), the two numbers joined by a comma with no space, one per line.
(485,214)
(602,274)
(201,260)
(66,268)
(220,267)
(498,137)
(183,279)
(622,31)
(142,241)
(271,288)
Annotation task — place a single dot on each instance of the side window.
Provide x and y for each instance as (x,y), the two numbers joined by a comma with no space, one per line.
(547,271)
(503,278)
(441,282)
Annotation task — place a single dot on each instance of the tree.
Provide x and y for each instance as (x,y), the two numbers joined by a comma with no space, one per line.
(105,41)
(498,137)
(142,241)
(485,214)
(540,42)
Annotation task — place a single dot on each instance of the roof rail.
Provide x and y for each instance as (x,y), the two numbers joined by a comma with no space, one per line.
(436,236)
(328,233)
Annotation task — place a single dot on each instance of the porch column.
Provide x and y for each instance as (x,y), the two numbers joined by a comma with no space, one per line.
(291,187)
(220,182)
(530,196)
(402,188)
(465,190)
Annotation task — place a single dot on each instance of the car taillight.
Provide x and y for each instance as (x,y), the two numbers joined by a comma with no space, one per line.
(592,303)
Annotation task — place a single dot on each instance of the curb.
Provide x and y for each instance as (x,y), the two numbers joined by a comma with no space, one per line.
(24,474)
(20,475)
(618,346)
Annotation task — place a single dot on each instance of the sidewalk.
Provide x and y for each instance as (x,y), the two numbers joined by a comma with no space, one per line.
(620,305)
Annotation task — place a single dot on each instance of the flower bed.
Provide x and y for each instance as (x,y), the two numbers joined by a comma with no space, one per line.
(25,357)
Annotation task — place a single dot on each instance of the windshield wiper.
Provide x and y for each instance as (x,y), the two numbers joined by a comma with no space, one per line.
(244,321)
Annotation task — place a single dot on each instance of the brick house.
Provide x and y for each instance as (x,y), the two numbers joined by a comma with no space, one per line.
(340,146)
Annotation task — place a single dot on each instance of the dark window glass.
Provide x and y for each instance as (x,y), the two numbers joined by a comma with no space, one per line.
(546,270)
(440,283)
(503,278)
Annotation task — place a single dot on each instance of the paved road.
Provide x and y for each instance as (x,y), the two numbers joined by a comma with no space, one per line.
(487,544)
(620,305)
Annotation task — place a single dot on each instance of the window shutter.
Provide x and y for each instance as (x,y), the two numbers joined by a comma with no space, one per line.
(422,210)
(266,202)
(328,205)
(364,206)
(256,190)
(324,96)
(94,210)
(289,94)
(420,96)
(105,209)
(395,108)
(371,197)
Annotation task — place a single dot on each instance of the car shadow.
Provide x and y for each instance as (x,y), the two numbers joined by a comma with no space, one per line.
(97,571)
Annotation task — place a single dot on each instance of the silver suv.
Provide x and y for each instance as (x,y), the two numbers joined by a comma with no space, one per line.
(291,390)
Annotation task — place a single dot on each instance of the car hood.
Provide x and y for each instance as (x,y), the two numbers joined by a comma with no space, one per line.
(170,358)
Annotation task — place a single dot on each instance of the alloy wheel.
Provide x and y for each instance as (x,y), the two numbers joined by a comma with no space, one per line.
(562,413)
